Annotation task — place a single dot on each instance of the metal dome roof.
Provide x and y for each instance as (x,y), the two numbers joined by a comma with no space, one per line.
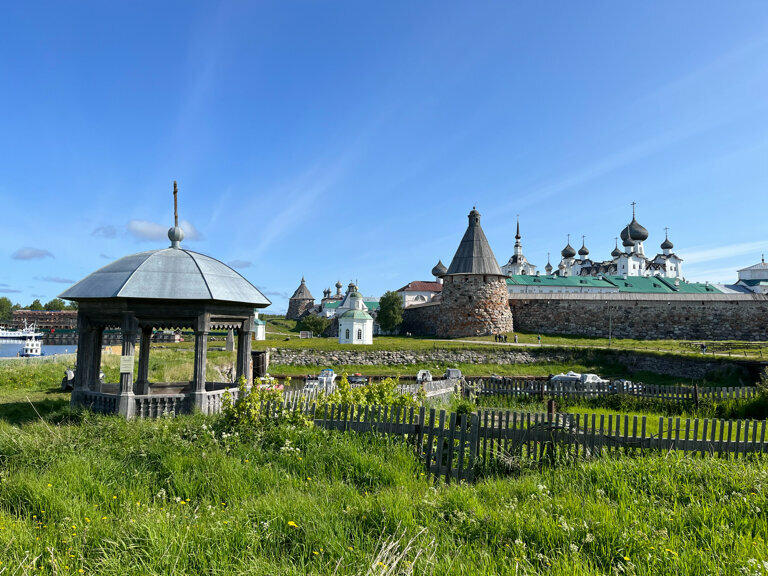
(439,270)
(167,274)
(568,251)
(667,245)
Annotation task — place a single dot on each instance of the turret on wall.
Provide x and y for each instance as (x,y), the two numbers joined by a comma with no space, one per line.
(300,303)
(474,296)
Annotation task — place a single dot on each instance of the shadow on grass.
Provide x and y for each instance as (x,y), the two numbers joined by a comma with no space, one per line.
(21,410)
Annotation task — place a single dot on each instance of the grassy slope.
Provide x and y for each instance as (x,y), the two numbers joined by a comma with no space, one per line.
(105,497)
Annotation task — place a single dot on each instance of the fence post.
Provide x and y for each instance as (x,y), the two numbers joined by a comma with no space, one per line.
(551,408)
(696,395)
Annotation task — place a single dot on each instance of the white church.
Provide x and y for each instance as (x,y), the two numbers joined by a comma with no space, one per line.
(631,261)
(355,324)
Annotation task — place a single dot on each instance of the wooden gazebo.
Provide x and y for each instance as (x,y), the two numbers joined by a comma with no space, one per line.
(158,289)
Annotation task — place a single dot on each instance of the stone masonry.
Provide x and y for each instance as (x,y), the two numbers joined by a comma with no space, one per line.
(473,305)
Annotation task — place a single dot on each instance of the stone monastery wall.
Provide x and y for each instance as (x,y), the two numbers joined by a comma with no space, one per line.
(644,316)
(421,320)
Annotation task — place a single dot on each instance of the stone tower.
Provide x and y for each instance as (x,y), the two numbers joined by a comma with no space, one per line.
(474,298)
(300,303)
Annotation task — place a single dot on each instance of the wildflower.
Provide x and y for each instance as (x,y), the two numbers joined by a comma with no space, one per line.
(293,524)
(626,558)
(350,548)
(49,484)
(114,497)
(381,564)
(309,477)
(315,552)
(103,517)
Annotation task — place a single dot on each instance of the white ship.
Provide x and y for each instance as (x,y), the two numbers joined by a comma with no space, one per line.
(29,332)
(32,347)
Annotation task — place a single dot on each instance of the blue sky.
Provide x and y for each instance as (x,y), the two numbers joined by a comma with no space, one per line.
(349,140)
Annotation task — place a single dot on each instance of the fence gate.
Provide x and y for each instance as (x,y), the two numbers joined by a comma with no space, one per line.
(449,445)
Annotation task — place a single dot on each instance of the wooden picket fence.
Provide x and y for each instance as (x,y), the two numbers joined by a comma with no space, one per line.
(520,387)
(452,445)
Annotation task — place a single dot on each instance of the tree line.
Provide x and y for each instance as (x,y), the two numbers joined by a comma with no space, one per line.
(55,305)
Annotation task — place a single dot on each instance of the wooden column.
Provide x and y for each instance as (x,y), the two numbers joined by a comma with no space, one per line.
(201,354)
(142,381)
(84,343)
(127,402)
(244,368)
(95,380)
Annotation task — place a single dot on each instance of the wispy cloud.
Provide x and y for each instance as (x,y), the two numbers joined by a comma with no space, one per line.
(107,231)
(2,285)
(9,291)
(105,257)
(56,279)
(147,230)
(274,293)
(729,251)
(29,253)
(240,264)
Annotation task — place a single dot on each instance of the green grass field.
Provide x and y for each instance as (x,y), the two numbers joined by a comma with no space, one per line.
(97,495)
(88,494)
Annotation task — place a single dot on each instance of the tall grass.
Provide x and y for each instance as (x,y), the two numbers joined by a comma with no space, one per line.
(179,496)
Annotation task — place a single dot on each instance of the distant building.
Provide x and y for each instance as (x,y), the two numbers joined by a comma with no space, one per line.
(335,306)
(518,263)
(355,324)
(259,328)
(754,278)
(419,292)
(45,320)
(300,303)
(631,261)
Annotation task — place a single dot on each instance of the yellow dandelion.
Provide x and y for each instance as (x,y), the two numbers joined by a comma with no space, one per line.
(381,564)
(293,524)
(350,548)
(626,558)
(81,570)
(315,552)
(103,517)
(114,497)
(49,485)
(309,477)
(87,519)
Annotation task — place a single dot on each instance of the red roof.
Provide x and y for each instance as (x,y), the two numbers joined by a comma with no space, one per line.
(422,286)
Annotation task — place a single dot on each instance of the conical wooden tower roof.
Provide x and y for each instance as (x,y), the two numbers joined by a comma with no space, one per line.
(474,255)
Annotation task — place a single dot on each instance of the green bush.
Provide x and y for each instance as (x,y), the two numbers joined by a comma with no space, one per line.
(382,393)
(315,324)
